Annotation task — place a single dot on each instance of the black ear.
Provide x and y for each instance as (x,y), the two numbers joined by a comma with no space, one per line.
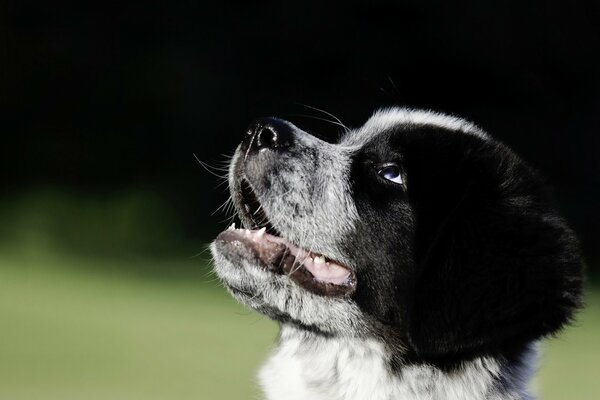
(496,265)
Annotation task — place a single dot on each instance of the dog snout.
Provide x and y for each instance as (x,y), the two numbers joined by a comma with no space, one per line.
(267,133)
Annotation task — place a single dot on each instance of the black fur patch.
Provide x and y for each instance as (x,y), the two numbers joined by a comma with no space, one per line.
(470,257)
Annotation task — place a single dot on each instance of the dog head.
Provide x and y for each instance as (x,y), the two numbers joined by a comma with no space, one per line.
(417,227)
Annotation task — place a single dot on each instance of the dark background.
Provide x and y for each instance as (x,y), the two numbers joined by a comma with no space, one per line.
(100,99)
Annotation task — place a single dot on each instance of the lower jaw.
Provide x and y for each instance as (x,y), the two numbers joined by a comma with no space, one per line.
(282,317)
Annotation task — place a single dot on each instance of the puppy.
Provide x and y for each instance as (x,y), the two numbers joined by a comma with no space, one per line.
(418,258)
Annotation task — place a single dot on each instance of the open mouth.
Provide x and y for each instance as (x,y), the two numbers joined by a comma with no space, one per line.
(314,272)
(252,208)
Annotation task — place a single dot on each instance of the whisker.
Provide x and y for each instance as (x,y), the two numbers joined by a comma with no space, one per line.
(320,119)
(223,206)
(326,113)
(207,168)
(228,220)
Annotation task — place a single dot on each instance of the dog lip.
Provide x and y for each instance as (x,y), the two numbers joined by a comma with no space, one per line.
(279,256)
(268,253)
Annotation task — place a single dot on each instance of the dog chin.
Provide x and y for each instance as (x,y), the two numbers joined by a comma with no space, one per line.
(287,283)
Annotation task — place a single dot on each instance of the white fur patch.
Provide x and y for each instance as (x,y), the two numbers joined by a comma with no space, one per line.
(305,366)
(388,118)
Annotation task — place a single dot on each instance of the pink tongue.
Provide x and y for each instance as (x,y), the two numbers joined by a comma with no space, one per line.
(327,272)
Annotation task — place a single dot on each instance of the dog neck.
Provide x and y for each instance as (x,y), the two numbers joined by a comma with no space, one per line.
(309,366)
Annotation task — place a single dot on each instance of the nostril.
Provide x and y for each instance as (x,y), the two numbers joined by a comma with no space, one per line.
(267,133)
(266,137)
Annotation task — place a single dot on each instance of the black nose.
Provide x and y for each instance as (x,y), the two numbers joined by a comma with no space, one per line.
(268,133)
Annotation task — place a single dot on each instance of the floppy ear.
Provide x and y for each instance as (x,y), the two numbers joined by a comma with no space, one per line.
(496,265)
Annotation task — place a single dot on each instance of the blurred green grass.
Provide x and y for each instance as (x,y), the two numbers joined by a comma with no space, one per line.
(95,328)
(70,331)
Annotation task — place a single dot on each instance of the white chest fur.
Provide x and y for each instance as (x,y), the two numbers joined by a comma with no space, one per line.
(305,366)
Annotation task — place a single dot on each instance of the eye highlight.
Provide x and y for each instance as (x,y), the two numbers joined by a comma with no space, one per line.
(391,172)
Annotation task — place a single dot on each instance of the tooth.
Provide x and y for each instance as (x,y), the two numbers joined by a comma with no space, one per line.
(261,231)
(232,226)
(319,260)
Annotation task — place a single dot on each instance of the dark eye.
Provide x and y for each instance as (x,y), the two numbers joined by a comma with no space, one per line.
(391,172)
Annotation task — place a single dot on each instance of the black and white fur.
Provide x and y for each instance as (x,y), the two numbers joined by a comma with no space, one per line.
(460,269)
